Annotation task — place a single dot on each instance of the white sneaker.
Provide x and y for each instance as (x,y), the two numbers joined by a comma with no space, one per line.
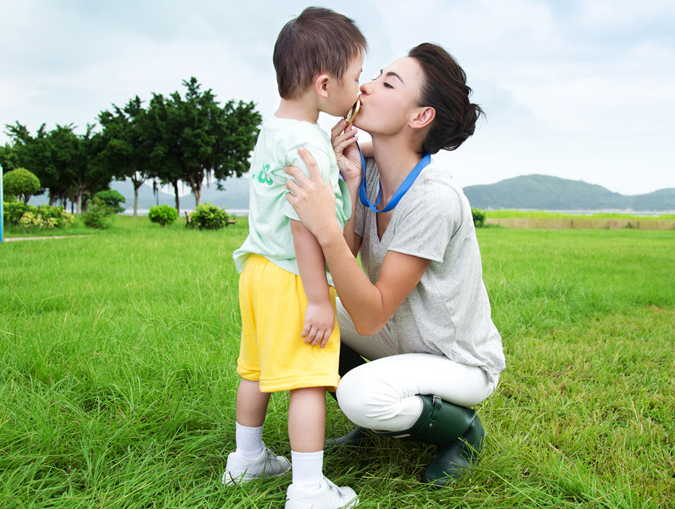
(242,470)
(328,496)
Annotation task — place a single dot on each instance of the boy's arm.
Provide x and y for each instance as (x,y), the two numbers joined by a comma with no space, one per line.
(319,315)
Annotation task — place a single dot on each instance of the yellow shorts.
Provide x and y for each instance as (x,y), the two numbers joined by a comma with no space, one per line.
(272,351)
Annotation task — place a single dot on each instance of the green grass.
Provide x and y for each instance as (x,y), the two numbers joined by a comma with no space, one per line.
(117,378)
(509,213)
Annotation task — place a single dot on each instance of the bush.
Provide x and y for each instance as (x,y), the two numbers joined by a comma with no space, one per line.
(57,215)
(208,217)
(478,217)
(43,217)
(163,214)
(13,211)
(98,216)
(112,199)
(21,183)
(32,221)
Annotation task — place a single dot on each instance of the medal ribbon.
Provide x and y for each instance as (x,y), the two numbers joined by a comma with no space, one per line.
(400,192)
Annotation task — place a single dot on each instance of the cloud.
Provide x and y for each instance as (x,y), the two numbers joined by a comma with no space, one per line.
(578,89)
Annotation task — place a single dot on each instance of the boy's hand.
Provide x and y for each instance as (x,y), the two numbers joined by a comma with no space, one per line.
(319,324)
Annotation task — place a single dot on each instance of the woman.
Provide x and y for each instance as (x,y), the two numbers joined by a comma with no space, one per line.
(420,312)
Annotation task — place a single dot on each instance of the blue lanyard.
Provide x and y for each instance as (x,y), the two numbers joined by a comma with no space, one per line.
(400,192)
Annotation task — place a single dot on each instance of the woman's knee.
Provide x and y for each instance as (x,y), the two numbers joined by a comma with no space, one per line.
(373,402)
(352,400)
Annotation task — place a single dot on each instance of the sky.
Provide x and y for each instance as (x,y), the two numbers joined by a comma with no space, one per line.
(577,89)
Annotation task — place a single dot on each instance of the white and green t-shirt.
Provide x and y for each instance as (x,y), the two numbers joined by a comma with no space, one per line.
(269,211)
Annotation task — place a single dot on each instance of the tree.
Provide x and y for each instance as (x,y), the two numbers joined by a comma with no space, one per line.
(111,199)
(20,183)
(66,163)
(75,159)
(127,144)
(161,132)
(31,152)
(8,157)
(201,139)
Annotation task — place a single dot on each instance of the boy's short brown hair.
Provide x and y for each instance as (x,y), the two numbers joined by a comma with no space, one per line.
(317,41)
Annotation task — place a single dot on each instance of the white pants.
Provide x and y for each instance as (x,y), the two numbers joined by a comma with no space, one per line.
(382,394)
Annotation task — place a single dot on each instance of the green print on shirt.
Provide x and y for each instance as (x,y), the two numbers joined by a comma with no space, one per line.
(263,176)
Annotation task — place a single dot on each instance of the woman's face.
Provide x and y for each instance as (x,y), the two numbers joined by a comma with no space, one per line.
(390,101)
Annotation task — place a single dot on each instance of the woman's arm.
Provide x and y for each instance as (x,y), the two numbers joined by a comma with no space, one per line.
(369,305)
(344,140)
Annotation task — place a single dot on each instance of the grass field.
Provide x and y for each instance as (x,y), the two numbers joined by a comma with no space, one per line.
(510,213)
(117,379)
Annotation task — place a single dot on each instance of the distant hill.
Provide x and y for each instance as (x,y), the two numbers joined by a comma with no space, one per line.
(543,192)
(538,192)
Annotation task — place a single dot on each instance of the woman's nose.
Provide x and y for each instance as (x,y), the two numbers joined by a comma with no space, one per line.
(366,88)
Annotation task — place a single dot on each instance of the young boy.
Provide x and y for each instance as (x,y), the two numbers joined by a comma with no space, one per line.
(289,339)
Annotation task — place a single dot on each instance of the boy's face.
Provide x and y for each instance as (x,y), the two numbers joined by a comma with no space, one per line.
(343,93)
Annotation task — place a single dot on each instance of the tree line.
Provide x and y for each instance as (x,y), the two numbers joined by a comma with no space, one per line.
(189,138)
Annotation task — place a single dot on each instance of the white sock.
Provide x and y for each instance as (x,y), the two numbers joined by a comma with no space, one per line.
(307,468)
(249,441)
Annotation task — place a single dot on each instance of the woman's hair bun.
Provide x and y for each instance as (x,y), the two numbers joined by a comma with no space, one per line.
(446,91)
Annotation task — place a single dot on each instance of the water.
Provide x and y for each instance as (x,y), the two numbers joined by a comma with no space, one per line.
(230,212)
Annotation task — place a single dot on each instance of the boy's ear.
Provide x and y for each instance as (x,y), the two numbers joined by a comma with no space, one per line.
(423,118)
(321,85)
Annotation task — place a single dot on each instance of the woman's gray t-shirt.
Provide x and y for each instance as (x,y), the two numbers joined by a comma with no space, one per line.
(448,312)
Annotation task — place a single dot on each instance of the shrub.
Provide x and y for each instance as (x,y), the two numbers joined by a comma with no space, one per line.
(57,215)
(21,183)
(32,221)
(163,214)
(98,216)
(208,217)
(43,217)
(13,211)
(478,217)
(112,199)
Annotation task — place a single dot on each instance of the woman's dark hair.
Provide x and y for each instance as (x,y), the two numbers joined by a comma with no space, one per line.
(445,90)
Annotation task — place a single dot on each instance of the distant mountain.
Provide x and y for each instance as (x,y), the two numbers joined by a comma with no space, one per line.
(543,192)
(539,192)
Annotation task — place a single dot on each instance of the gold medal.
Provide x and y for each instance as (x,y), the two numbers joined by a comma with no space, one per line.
(351,114)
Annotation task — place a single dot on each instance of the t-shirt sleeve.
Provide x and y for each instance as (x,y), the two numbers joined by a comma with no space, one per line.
(322,160)
(427,220)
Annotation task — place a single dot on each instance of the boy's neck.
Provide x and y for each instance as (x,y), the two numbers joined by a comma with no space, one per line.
(302,108)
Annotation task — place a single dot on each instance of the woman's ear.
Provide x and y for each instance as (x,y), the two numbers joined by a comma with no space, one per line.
(321,85)
(423,118)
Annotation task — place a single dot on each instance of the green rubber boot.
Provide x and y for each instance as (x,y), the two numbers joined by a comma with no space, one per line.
(456,430)
(457,458)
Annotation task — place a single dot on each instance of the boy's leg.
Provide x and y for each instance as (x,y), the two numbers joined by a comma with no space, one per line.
(251,404)
(307,419)
(306,430)
(252,460)
(251,411)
